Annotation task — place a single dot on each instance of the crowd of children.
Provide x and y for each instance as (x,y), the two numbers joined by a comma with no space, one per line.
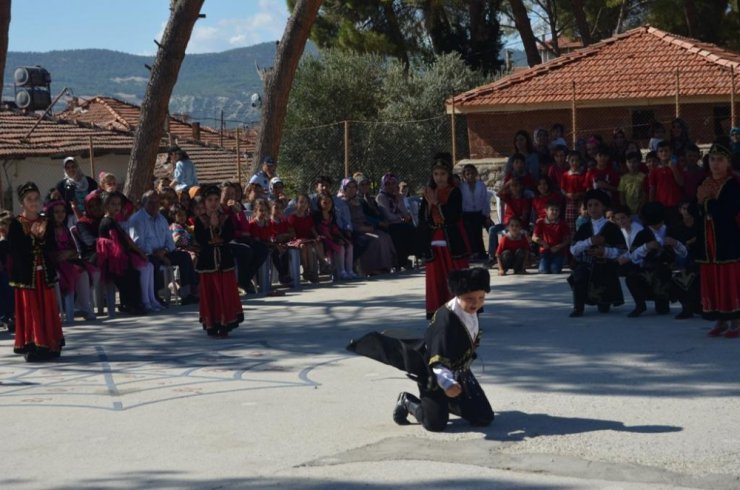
(650,220)
(668,223)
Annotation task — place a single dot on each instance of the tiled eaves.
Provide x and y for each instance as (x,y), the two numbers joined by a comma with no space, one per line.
(600,71)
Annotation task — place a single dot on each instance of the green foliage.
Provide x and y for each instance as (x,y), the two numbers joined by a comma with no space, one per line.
(413,30)
(397,119)
(717,22)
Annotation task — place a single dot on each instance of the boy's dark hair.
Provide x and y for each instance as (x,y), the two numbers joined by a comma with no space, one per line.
(651,155)
(603,149)
(574,153)
(552,204)
(562,148)
(513,219)
(321,178)
(107,197)
(634,155)
(620,209)
(663,144)
(517,156)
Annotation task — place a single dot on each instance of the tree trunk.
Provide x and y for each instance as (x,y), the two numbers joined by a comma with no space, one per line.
(279,80)
(154,108)
(394,32)
(519,11)
(692,18)
(623,8)
(581,22)
(4,27)
(552,22)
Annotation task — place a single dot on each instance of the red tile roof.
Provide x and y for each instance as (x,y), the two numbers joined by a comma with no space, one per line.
(636,66)
(563,43)
(55,138)
(111,113)
(213,163)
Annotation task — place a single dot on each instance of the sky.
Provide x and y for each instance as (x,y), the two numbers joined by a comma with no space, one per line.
(132,25)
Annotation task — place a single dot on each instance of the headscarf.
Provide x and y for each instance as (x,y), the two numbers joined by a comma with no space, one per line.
(345,182)
(385,179)
(49,208)
(80,184)
(86,218)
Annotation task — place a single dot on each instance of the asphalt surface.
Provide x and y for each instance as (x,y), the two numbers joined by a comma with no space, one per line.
(602,401)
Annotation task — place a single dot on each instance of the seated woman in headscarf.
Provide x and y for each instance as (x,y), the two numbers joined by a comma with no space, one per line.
(73,188)
(400,222)
(373,247)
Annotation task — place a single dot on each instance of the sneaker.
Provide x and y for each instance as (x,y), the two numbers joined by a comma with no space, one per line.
(345,276)
(733,333)
(151,308)
(717,330)
(90,316)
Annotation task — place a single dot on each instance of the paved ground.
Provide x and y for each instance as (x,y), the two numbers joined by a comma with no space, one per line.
(599,402)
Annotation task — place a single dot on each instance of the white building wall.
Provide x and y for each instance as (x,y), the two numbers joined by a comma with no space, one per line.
(47,172)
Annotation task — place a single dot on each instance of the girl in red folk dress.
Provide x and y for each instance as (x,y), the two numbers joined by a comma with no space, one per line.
(306,239)
(445,247)
(717,249)
(74,280)
(38,328)
(220,308)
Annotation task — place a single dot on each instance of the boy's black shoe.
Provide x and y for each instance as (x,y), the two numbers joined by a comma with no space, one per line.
(189,300)
(576,313)
(639,310)
(685,314)
(400,412)
(603,307)
(662,308)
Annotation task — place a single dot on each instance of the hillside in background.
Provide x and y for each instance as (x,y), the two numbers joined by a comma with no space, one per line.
(207,83)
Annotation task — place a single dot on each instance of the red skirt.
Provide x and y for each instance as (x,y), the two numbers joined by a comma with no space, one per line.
(37,323)
(220,306)
(437,270)
(720,284)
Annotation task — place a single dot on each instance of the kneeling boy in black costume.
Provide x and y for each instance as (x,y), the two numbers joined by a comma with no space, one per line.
(440,362)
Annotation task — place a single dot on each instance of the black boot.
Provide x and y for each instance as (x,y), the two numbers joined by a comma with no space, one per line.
(406,403)
(639,310)
(662,307)
(684,314)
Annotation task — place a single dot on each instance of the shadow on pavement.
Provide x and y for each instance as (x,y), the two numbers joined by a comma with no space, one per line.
(517,426)
(173,480)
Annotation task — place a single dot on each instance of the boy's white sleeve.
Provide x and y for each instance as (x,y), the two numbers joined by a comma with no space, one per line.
(581,246)
(612,252)
(445,378)
(680,249)
(639,254)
